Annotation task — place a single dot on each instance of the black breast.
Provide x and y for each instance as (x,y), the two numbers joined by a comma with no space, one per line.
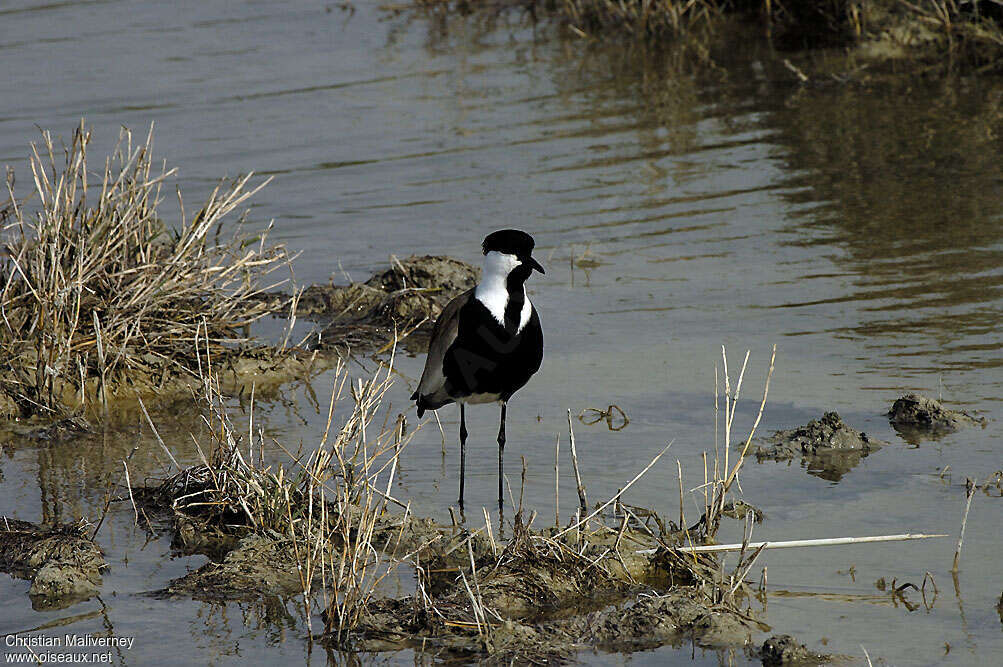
(487,358)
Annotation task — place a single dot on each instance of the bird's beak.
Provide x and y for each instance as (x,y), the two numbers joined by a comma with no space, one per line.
(533,264)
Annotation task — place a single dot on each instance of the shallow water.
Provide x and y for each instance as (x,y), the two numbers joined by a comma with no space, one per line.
(857,227)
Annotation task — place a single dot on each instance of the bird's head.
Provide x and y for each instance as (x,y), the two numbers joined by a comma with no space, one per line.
(509,252)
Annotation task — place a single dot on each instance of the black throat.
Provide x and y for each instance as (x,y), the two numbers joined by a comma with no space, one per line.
(516,297)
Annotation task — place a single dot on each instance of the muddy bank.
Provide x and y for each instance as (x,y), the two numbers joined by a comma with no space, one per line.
(918,417)
(405,298)
(255,567)
(542,594)
(545,597)
(644,622)
(827,446)
(63,564)
(871,33)
(265,369)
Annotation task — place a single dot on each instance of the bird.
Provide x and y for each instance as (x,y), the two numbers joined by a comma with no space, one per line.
(487,342)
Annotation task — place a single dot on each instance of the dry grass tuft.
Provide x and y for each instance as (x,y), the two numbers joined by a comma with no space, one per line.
(952,33)
(647,19)
(328,504)
(98,291)
(640,19)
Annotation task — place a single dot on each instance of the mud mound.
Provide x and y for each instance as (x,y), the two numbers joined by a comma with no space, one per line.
(258,566)
(785,650)
(63,565)
(646,621)
(826,433)
(528,586)
(916,416)
(829,446)
(539,596)
(654,620)
(408,296)
(446,275)
(545,595)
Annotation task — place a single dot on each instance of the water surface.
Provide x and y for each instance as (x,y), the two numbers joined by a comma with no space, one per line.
(857,227)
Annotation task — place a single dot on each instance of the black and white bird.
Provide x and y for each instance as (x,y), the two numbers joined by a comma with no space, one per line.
(487,342)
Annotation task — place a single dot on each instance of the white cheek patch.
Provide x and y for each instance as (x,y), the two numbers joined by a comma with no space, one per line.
(499,264)
(493,289)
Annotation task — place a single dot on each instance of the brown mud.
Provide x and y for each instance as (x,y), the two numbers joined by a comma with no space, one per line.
(643,622)
(828,446)
(916,418)
(545,596)
(257,566)
(785,650)
(62,563)
(540,595)
(403,300)
(264,369)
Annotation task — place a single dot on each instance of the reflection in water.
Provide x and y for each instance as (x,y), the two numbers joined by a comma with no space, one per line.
(909,183)
(829,465)
(219,627)
(77,476)
(832,465)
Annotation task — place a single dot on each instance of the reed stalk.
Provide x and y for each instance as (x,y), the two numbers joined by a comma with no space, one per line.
(99,289)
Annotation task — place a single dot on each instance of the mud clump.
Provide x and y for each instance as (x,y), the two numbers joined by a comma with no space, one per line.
(654,620)
(826,433)
(445,276)
(545,596)
(257,566)
(915,416)
(785,650)
(63,565)
(406,298)
(738,509)
(829,446)
(643,622)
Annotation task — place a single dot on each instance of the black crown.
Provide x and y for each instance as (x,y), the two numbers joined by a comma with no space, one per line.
(509,241)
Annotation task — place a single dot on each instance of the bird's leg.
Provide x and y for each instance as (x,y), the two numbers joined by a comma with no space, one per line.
(463,450)
(501,454)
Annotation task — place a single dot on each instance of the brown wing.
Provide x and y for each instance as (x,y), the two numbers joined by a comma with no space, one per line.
(431,392)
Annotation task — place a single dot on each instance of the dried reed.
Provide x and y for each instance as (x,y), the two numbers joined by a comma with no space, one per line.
(98,290)
(327,503)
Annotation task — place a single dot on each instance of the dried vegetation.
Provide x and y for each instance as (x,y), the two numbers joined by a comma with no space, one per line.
(326,528)
(101,296)
(312,525)
(938,32)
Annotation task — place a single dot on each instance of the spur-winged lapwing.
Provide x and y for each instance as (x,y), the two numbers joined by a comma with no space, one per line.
(487,342)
